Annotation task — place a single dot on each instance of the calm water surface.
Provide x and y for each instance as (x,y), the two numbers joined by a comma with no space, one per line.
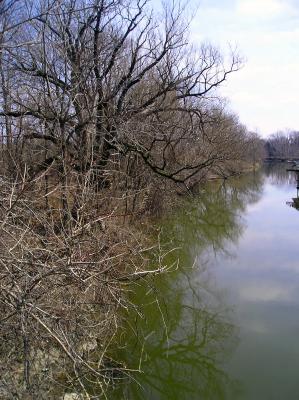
(225,324)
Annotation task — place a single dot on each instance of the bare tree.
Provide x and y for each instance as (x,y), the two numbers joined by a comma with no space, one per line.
(98,99)
(283,145)
(100,69)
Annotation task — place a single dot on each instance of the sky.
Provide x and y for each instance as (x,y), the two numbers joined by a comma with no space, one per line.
(265,92)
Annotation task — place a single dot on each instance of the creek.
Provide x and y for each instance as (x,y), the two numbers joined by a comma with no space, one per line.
(225,323)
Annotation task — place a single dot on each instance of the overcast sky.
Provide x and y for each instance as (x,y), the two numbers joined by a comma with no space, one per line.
(265,93)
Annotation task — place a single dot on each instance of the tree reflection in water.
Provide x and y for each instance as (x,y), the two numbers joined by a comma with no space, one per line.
(186,332)
(278,174)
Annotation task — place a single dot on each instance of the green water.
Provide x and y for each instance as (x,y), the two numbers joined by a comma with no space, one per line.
(225,324)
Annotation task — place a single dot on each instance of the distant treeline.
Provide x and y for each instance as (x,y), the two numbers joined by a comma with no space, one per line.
(283,144)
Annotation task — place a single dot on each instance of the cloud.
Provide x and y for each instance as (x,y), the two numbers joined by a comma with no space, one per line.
(265,92)
(265,292)
(262,8)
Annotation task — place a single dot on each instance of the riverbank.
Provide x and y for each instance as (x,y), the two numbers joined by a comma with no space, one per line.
(74,273)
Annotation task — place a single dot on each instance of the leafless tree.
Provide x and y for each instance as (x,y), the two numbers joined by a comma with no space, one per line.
(107,76)
(283,145)
(98,98)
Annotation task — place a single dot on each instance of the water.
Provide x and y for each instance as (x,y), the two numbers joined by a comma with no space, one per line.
(225,324)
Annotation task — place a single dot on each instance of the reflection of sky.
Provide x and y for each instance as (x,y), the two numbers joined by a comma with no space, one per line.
(268,249)
(263,281)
